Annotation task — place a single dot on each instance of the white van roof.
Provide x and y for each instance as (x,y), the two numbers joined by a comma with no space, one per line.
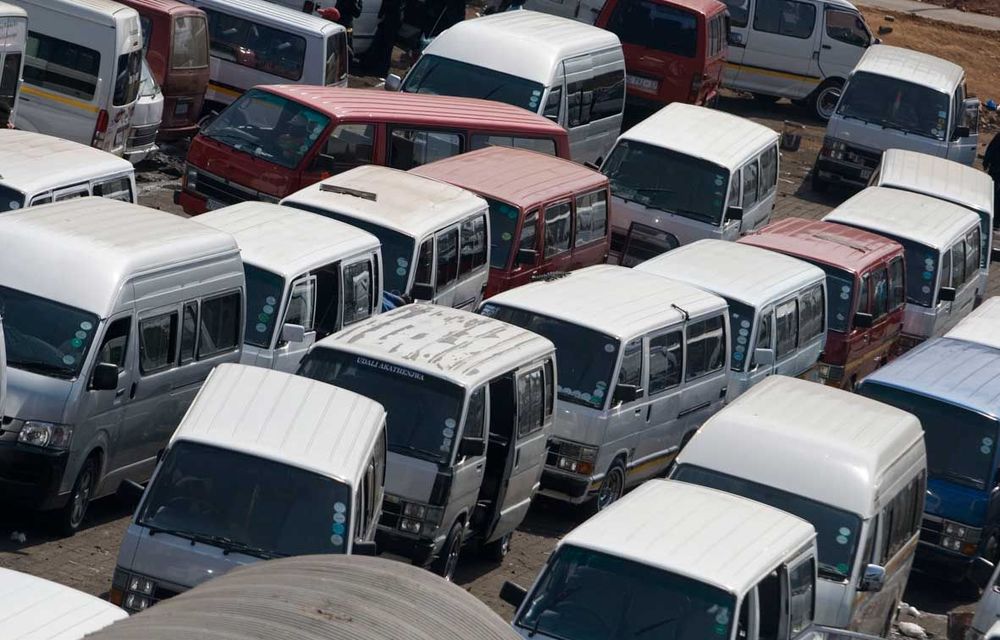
(100,11)
(902,214)
(614,300)
(39,609)
(735,271)
(404,202)
(34,162)
(10,11)
(718,137)
(980,325)
(912,66)
(283,417)
(525,44)
(456,345)
(937,177)
(80,252)
(288,241)
(706,535)
(271,13)
(792,419)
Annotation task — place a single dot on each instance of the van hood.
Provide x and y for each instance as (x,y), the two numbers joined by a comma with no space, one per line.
(951,501)
(32,396)
(410,478)
(579,424)
(874,137)
(241,169)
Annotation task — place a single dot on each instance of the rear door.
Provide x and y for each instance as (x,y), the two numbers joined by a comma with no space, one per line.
(782,49)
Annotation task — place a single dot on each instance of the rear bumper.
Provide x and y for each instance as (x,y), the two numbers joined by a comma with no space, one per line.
(30,477)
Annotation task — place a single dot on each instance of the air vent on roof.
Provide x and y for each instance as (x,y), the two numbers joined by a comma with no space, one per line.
(357,193)
(830,237)
(550,276)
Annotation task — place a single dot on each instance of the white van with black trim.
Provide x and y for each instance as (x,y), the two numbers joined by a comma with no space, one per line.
(435,236)
(643,362)
(777,305)
(14,26)
(307,276)
(687,173)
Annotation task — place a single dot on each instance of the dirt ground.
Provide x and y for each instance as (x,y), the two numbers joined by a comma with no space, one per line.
(987,7)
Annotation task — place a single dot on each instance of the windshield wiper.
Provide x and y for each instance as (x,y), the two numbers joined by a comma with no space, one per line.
(961,477)
(548,607)
(229,545)
(41,367)
(830,571)
(412,449)
(654,190)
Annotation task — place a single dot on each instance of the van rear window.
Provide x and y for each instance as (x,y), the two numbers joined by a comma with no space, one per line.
(655,26)
(256,46)
(190,46)
(61,66)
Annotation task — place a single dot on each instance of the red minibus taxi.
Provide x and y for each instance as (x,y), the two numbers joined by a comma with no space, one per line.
(865,286)
(546,213)
(175,41)
(277,139)
(675,50)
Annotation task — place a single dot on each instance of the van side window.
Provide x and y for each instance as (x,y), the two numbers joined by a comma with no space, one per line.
(631,370)
(357,291)
(706,347)
(302,303)
(750,183)
(157,342)
(189,332)
(550,386)
(530,398)
(425,262)
(734,189)
(897,284)
(473,248)
(739,11)
(220,324)
(541,145)
(529,233)
(552,104)
(61,66)
(785,17)
(901,518)
(863,294)
(847,27)
(787,327)
(958,274)
(971,253)
(812,308)
(447,257)
(119,188)
(763,335)
(946,269)
(43,199)
(768,171)
(666,358)
(880,292)
(558,229)
(800,586)
(114,346)
(475,419)
(595,98)
(410,148)
(591,217)
(254,45)
(348,146)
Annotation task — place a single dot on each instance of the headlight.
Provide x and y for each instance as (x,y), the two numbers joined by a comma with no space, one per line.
(45,434)
(961,532)
(135,603)
(416,511)
(141,585)
(132,592)
(573,457)
(409,526)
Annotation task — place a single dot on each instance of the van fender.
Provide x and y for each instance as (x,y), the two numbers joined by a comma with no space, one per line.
(100,444)
(622,454)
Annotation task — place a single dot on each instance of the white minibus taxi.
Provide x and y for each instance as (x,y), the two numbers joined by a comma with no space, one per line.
(864,494)
(687,173)
(254,42)
(14,27)
(82,71)
(643,361)
(265,464)
(569,72)
(949,181)
(33,608)
(897,99)
(777,305)
(114,314)
(470,406)
(307,276)
(802,50)
(39,169)
(435,236)
(941,242)
(980,325)
(674,560)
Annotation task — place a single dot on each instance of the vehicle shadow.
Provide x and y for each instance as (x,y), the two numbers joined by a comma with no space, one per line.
(931,594)
(37,528)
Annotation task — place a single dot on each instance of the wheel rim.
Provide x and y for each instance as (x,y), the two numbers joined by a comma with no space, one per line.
(611,489)
(452,561)
(504,545)
(81,497)
(826,102)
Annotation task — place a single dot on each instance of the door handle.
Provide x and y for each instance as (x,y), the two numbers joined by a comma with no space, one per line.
(826,46)
(479,468)
(119,393)
(131,393)
(517,457)
(638,411)
(649,411)
(722,392)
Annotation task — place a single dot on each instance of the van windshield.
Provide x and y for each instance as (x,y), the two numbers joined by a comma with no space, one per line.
(246,504)
(268,127)
(265,291)
(446,77)
(667,181)
(589,595)
(585,358)
(895,104)
(422,411)
(10,199)
(43,336)
(503,225)
(961,443)
(655,26)
(840,294)
(837,530)
(741,324)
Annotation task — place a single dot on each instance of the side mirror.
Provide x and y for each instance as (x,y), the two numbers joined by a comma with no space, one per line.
(734,213)
(422,291)
(873,579)
(946,294)
(471,447)
(863,320)
(626,393)
(735,39)
(131,491)
(526,256)
(995,254)
(513,594)
(393,82)
(763,357)
(293,333)
(365,548)
(962,132)
(105,377)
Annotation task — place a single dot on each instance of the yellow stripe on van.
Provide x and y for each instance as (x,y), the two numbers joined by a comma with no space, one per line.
(55,97)
(224,90)
(772,72)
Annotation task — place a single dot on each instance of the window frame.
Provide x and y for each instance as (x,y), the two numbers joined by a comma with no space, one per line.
(570,224)
(481,257)
(677,331)
(240,311)
(159,315)
(723,347)
(366,264)
(782,349)
(438,284)
(781,31)
(594,200)
(529,427)
(620,365)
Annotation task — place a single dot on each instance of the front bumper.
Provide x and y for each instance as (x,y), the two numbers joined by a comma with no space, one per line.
(837,171)
(942,563)
(419,551)
(30,477)
(566,487)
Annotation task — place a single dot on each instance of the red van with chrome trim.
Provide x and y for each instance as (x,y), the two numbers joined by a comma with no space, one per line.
(866,291)
(675,50)
(175,40)
(277,139)
(546,214)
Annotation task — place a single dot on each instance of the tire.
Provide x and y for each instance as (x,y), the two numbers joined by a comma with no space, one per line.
(764,98)
(444,565)
(69,519)
(824,100)
(497,550)
(613,487)
(819,185)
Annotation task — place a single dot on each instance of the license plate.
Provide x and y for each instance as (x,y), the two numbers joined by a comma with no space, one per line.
(181,109)
(212,205)
(646,84)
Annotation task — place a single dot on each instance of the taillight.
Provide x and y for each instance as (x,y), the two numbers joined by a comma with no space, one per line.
(100,128)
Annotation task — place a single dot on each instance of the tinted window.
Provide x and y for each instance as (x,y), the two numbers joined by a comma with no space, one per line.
(591,217)
(655,26)
(558,228)
(358,291)
(265,290)
(595,98)
(666,361)
(189,332)
(443,76)
(787,327)
(61,66)
(896,104)
(190,46)
(220,324)
(785,17)
(447,257)
(739,11)
(503,225)
(706,347)
(475,419)
(127,78)
(553,104)
(257,46)
(9,79)
(847,27)
(157,343)
(897,285)
(473,251)
(410,148)
(425,262)
(328,298)
(812,308)
(631,369)
(541,145)
(642,243)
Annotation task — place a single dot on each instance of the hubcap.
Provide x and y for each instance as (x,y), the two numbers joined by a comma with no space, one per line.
(452,563)
(826,102)
(80,499)
(505,545)
(611,489)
